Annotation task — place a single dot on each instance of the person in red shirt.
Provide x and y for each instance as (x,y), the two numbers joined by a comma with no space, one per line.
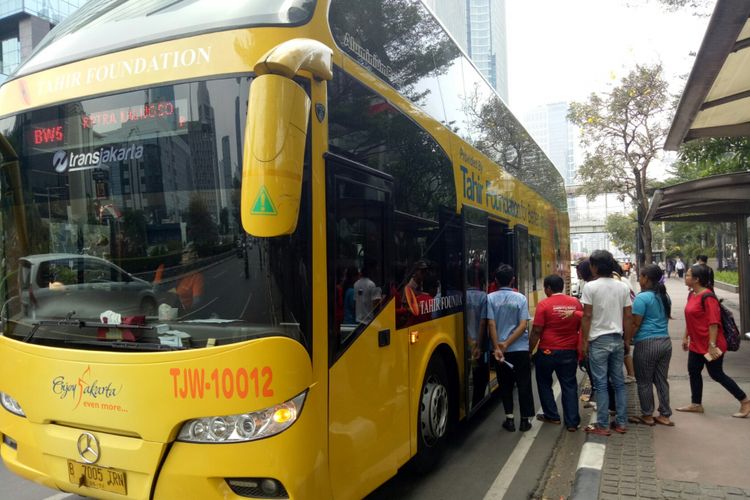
(704,338)
(557,323)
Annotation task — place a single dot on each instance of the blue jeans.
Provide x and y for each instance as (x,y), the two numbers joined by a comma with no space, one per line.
(606,356)
(564,363)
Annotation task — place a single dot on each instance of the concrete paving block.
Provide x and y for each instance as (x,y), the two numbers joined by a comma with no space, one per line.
(612,490)
(644,493)
(671,486)
(628,492)
(731,490)
(670,494)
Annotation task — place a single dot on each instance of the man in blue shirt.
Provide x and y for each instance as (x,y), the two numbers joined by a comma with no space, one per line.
(507,317)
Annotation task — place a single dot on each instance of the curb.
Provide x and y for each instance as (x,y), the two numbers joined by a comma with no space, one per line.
(589,471)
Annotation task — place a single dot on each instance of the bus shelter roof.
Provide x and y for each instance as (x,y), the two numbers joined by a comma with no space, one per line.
(716,100)
(720,198)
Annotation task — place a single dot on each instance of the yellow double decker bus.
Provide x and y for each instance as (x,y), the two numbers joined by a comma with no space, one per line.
(245,246)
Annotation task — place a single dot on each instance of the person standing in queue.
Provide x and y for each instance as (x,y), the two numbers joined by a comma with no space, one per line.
(557,323)
(507,318)
(704,339)
(607,319)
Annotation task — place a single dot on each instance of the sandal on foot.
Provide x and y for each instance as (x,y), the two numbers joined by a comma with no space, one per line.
(691,408)
(662,420)
(595,429)
(620,429)
(744,410)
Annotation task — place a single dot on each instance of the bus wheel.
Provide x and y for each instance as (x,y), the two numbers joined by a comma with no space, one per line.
(434,416)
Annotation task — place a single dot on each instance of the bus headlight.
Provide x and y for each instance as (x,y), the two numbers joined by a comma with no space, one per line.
(11,405)
(245,426)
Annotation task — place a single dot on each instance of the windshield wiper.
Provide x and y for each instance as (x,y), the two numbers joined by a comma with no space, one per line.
(68,321)
(129,346)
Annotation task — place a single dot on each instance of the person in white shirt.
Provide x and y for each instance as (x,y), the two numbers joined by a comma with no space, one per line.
(367,295)
(607,320)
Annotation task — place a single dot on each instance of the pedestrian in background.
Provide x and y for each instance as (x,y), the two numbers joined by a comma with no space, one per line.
(607,311)
(556,327)
(507,318)
(704,339)
(652,348)
(679,266)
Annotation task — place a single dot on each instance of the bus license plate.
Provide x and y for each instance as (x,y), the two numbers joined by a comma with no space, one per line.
(100,478)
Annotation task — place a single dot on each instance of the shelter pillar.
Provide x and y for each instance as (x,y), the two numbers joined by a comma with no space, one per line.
(743,268)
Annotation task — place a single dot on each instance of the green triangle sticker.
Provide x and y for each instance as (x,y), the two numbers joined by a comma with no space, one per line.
(263,204)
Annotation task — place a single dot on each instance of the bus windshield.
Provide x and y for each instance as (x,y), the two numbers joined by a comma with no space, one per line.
(125,210)
(109,25)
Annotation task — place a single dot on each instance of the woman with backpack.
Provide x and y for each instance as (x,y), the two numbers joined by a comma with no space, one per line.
(652,349)
(704,338)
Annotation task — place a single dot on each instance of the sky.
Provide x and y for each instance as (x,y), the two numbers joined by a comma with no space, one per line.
(562,50)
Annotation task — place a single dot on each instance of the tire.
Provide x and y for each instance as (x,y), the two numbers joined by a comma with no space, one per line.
(434,417)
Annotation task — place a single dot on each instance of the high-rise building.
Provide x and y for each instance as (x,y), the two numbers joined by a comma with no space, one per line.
(550,128)
(478,26)
(452,14)
(23,24)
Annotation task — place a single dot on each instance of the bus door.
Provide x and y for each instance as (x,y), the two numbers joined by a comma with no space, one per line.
(521,259)
(475,272)
(368,379)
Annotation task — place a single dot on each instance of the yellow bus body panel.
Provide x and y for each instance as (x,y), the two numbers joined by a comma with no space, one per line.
(135,405)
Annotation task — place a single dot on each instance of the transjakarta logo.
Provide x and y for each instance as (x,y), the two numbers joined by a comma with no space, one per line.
(68,161)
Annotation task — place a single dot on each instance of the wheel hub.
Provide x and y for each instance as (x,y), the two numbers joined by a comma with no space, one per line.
(434,411)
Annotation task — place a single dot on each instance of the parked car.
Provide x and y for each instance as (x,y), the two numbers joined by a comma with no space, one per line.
(58,284)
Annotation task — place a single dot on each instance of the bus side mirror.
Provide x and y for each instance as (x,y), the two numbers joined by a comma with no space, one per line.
(273,156)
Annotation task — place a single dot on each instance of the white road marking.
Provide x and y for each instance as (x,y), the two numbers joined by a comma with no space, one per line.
(592,456)
(502,482)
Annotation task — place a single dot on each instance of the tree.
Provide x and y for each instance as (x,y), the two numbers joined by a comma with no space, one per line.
(713,156)
(622,132)
(621,229)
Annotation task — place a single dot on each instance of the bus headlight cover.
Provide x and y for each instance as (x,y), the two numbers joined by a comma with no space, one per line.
(243,427)
(11,405)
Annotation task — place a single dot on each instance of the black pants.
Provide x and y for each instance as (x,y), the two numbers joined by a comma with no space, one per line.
(519,375)
(716,371)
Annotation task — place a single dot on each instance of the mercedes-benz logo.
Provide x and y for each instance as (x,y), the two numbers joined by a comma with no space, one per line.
(88,448)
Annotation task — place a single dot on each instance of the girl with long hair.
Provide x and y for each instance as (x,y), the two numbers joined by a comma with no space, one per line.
(652,350)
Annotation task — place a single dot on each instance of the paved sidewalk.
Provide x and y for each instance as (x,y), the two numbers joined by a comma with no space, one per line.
(703,456)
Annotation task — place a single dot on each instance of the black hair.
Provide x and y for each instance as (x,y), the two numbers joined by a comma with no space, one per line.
(703,274)
(702,258)
(654,274)
(584,269)
(504,275)
(555,283)
(604,263)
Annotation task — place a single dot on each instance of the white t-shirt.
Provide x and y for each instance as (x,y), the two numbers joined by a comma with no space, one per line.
(608,297)
(365,295)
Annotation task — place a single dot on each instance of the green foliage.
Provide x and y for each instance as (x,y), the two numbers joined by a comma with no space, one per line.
(621,229)
(730,277)
(713,156)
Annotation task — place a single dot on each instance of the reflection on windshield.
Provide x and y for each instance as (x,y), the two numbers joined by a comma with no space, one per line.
(128,213)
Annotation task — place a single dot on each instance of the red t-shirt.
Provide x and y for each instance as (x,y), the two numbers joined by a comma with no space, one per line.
(560,324)
(697,319)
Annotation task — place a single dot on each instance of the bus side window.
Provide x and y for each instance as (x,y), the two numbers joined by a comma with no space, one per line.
(360,213)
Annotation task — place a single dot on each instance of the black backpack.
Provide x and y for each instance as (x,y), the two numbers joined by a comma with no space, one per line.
(731,332)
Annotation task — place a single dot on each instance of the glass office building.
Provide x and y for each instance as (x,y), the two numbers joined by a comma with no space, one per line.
(23,24)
